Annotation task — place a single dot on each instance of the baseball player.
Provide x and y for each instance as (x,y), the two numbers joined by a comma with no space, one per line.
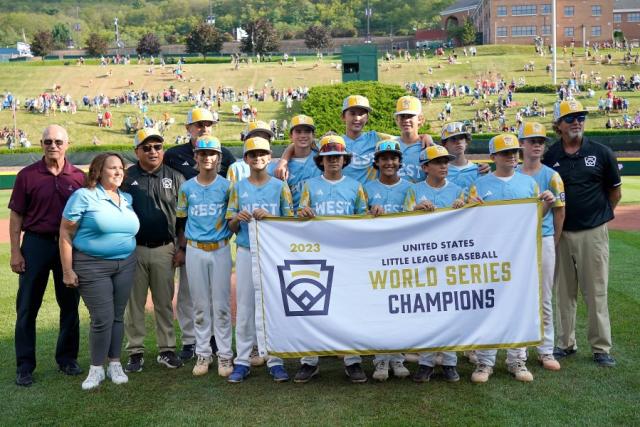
(386,195)
(455,138)
(532,137)
(435,192)
(256,197)
(335,194)
(240,169)
(203,200)
(409,118)
(505,184)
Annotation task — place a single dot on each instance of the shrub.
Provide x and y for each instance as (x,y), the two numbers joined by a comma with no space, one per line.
(324,104)
(544,88)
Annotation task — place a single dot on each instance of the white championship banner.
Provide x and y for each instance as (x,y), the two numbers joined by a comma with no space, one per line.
(450,280)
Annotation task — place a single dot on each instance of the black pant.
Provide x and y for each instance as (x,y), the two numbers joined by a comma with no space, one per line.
(41,256)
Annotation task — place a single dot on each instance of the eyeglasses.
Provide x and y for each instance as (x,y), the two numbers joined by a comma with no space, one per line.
(58,142)
(149,147)
(571,119)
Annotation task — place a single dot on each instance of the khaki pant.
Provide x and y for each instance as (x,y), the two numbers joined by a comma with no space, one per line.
(583,263)
(154,270)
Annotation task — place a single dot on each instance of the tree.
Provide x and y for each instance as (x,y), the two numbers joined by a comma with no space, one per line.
(317,37)
(204,38)
(468,33)
(42,43)
(261,37)
(97,44)
(61,35)
(148,45)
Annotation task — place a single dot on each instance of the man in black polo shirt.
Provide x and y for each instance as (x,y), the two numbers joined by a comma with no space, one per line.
(154,188)
(592,189)
(199,122)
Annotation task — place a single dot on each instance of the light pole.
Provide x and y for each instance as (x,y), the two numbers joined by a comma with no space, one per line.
(367,13)
(211,19)
(119,43)
(554,41)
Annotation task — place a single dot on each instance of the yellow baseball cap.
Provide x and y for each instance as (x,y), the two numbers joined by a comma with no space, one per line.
(454,129)
(208,142)
(503,142)
(199,115)
(356,101)
(433,152)
(408,105)
(333,145)
(258,126)
(564,108)
(254,144)
(302,120)
(145,133)
(532,130)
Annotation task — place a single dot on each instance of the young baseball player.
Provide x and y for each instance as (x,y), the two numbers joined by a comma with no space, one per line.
(455,138)
(409,118)
(202,200)
(434,193)
(301,166)
(335,194)
(256,197)
(532,137)
(386,195)
(240,169)
(505,184)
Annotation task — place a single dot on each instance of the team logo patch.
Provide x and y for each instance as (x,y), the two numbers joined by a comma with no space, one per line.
(166,183)
(590,161)
(306,287)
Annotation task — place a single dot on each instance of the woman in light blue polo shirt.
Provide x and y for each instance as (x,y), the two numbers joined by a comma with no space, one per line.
(97,244)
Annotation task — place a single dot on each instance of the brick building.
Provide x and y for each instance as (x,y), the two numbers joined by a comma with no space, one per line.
(519,21)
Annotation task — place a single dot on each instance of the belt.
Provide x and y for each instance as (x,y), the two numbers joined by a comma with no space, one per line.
(47,236)
(157,244)
(208,246)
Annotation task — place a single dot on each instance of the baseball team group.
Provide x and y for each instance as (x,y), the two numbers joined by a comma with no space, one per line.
(117,232)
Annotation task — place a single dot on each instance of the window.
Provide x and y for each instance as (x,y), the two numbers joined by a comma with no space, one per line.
(596,10)
(633,17)
(546,30)
(529,30)
(502,10)
(568,31)
(596,31)
(501,32)
(545,9)
(617,18)
(569,10)
(523,10)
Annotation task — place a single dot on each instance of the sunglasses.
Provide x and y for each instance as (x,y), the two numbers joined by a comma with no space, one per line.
(148,148)
(58,142)
(388,146)
(332,146)
(571,119)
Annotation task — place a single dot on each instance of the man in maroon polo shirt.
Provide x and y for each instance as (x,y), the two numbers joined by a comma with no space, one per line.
(39,195)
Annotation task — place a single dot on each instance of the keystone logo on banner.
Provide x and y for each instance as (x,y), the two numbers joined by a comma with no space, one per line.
(305,287)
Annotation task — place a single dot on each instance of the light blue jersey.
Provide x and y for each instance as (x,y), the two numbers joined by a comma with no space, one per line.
(411,169)
(273,196)
(442,197)
(300,170)
(334,198)
(463,176)
(204,206)
(362,148)
(390,197)
(548,179)
(238,170)
(517,186)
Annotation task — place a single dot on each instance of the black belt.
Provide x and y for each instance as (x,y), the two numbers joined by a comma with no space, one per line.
(46,236)
(155,244)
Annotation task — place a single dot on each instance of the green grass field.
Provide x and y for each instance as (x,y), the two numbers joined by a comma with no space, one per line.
(28,79)
(580,394)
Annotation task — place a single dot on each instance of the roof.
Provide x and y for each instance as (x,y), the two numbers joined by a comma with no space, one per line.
(463,5)
(620,5)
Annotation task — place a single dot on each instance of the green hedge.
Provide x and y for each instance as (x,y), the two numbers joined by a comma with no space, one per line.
(324,104)
(545,88)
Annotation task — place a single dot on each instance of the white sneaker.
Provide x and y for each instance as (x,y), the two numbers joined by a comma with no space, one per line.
(225,367)
(481,374)
(116,373)
(382,370)
(519,370)
(95,377)
(254,358)
(202,365)
(399,370)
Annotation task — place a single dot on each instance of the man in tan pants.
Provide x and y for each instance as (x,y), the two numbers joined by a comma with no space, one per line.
(593,189)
